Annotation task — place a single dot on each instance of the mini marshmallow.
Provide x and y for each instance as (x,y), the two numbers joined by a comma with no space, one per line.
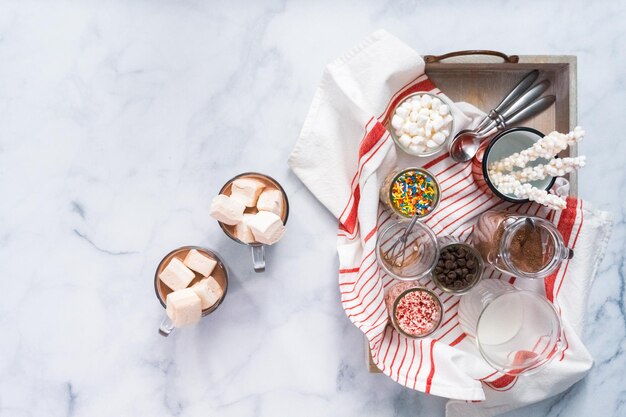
(227,210)
(403,112)
(415,104)
(419,139)
(431,144)
(413,129)
(246,191)
(438,124)
(424,112)
(176,275)
(405,127)
(270,200)
(266,227)
(426,100)
(183,307)
(209,292)
(413,116)
(445,132)
(435,103)
(242,229)
(200,263)
(439,138)
(397,122)
(444,109)
(405,140)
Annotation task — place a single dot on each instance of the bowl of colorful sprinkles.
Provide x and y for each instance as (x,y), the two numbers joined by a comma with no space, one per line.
(416,312)
(414,192)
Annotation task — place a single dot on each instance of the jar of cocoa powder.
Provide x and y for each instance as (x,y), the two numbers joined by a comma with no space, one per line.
(524,246)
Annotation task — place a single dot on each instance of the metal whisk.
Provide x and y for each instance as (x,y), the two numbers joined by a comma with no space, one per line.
(396,254)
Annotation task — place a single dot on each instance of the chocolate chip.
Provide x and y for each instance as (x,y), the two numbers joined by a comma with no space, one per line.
(456,267)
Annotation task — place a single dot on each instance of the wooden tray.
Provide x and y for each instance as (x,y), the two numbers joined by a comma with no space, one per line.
(483,78)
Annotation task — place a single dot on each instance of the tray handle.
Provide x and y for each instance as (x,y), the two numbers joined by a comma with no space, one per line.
(511,59)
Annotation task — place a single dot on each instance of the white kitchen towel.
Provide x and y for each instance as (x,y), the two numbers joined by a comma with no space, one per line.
(343,154)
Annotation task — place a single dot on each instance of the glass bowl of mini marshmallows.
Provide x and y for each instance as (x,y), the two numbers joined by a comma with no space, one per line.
(421,124)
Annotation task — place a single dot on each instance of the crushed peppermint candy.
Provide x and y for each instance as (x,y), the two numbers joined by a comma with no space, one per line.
(417,313)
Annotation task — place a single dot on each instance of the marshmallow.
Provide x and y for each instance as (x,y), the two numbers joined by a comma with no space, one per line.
(246,191)
(176,275)
(397,122)
(439,138)
(431,143)
(227,210)
(266,227)
(199,263)
(435,103)
(413,116)
(424,112)
(444,109)
(413,129)
(270,200)
(184,307)
(209,292)
(415,104)
(242,229)
(405,140)
(426,100)
(403,112)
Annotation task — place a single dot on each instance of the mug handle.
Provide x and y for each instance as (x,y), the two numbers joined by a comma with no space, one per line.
(258,257)
(166,327)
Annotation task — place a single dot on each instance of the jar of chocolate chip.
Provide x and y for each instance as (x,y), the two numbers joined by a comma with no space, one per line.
(459,267)
(524,246)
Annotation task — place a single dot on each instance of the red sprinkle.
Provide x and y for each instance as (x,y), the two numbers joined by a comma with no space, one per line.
(418,313)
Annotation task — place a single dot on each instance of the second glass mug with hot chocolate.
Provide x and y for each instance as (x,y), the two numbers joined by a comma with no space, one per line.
(257,249)
(524,246)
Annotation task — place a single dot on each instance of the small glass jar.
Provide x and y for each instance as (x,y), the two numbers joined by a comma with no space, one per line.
(524,246)
(415,311)
(459,266)
(420,250)
(446,130)
(410,192)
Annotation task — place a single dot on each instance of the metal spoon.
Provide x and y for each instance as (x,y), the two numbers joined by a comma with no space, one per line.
(517,91)
(465,144)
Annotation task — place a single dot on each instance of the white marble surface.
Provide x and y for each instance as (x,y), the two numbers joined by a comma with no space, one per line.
(119,120)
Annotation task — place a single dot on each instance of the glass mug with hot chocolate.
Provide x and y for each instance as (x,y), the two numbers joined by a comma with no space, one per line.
(252,209)
(190,282)
(524,246)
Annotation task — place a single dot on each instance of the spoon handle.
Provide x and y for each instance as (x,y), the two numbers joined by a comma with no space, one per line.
(527,98)
(521,102)
(517,91)
(534,108)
